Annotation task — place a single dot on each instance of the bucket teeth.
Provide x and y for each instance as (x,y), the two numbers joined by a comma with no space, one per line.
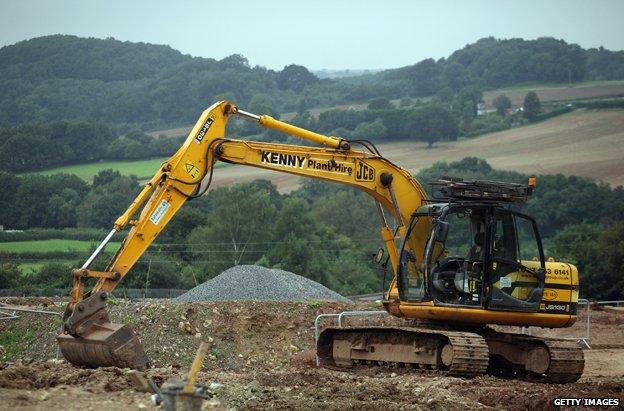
(105,345)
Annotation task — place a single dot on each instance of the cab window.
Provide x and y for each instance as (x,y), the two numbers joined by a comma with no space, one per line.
(515,247)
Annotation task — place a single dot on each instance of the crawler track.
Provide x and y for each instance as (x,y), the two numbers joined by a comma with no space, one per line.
(537,359)
(566,359)
(471,355)
(456,353)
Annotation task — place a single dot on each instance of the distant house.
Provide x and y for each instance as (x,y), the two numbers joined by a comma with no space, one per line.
(481,110)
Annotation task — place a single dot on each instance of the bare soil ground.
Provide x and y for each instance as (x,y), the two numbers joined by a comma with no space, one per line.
(586,143)
(262,356)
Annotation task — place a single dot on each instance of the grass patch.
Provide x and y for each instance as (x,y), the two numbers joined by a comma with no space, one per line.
(12,342)
(142,169)
(31,267)
(216,352)
(52,245)
(139,168)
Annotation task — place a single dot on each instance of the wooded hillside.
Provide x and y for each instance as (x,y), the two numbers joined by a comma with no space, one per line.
(64,77)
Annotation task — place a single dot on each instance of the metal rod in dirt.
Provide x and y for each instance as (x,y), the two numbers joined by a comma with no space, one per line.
(99,249)
(28,310)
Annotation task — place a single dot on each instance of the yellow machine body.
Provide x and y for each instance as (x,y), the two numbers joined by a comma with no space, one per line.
(393,188)
(558,307)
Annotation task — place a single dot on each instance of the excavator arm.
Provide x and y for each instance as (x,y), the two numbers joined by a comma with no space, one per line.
(90,339)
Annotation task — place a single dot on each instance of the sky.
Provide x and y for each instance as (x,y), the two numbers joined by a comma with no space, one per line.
(319,34)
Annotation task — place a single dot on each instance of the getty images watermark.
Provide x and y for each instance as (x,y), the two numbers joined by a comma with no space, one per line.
(586,402)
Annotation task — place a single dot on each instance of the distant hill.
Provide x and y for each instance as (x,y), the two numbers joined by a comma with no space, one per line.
(63,77)
(71,57)
(493,63)
(66,77)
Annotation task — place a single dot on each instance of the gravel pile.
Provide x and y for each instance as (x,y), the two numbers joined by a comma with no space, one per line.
(252,282)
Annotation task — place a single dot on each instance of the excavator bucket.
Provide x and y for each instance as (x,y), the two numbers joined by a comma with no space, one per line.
(89,339)
(105,345)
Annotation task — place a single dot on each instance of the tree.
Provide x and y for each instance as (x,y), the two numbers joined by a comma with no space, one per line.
(304,119)
(598,253)
(469,99)
(431,123)
(31,201)
(380,104)
(298,240)
(106,202)
(237,231)
(9,184)
(234,61)
(182,224)
(9,273)
(374,130)
(341,132)
(502,104)
(259,104)
(53,275)
(445,95)
(295,77)
(532,107)
(105,176)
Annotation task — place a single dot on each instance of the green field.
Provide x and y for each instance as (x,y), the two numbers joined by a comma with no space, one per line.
(33,267)
(140,168)
(52,245)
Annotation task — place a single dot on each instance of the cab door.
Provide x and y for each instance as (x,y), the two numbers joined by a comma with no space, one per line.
(513,241)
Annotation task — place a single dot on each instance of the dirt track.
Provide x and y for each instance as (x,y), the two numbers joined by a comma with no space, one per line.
(261,357)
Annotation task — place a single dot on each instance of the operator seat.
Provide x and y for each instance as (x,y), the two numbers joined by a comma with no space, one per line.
(476,251)
(473,264)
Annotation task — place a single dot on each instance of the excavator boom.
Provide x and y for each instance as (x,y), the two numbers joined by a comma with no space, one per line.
(90,339)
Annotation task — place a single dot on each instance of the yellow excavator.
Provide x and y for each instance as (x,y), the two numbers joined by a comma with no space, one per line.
(463,261)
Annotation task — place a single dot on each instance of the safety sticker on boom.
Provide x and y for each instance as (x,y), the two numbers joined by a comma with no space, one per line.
(191,169)
(160,211)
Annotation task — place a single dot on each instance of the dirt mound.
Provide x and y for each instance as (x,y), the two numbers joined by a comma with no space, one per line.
(41,375)
(252,282)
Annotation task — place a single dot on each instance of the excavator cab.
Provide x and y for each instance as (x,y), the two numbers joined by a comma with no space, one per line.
(479,254)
